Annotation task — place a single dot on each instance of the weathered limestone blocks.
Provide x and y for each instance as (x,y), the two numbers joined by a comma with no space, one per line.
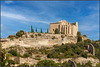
(82,60)
(40,39)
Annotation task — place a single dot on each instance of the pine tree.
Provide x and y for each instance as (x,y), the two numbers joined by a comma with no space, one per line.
(47,31)
(36,30)
(41,30)
(32,30)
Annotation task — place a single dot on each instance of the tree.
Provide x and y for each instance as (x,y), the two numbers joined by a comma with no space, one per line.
(78,33)
(36,30)
(79,38)
(57,31)
(20,33)
(41,30)
(32,30)
(47,31)
(85,35)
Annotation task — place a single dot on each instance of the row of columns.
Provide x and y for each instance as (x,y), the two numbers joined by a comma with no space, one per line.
(66,28)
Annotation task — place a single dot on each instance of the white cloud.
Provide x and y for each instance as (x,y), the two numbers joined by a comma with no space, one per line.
(8,2)
(23,18)
(89,23)
(87,27)
(94,7)
(13,16)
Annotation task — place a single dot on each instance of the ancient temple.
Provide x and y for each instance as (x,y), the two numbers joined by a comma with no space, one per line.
(65,27)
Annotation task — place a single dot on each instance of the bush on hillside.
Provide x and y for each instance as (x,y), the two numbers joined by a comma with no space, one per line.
(26,55)
(10,62)
(20,33)
(85,35)
(13,52)
(46,63)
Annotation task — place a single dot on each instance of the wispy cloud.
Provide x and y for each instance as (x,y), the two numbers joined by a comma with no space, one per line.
(23,18)
(13,16)
(88,27)
(89,23)
(8,2)
(93,7)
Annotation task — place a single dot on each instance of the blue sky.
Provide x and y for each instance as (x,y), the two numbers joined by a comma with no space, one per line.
(20,15)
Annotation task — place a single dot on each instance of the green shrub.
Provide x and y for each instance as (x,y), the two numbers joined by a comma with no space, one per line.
(11,36)
(84,54)
(55,46)
(35,34)
(98,65)
(88,64)
(20,33)
(16,36)
(9,55)
(46,63)
(85,35)
(26,55)
(32,36)
(80,65)
(11,62)
(13,52)
(39,34)
(66,64)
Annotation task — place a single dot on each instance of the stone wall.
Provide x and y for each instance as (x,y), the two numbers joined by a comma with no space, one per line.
(73,61)
(40,40)
(53,27)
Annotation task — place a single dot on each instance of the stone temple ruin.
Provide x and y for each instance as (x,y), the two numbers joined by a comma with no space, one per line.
(65,27)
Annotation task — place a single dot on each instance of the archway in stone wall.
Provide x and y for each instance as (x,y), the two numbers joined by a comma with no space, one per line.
(72,63)
(91,49)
